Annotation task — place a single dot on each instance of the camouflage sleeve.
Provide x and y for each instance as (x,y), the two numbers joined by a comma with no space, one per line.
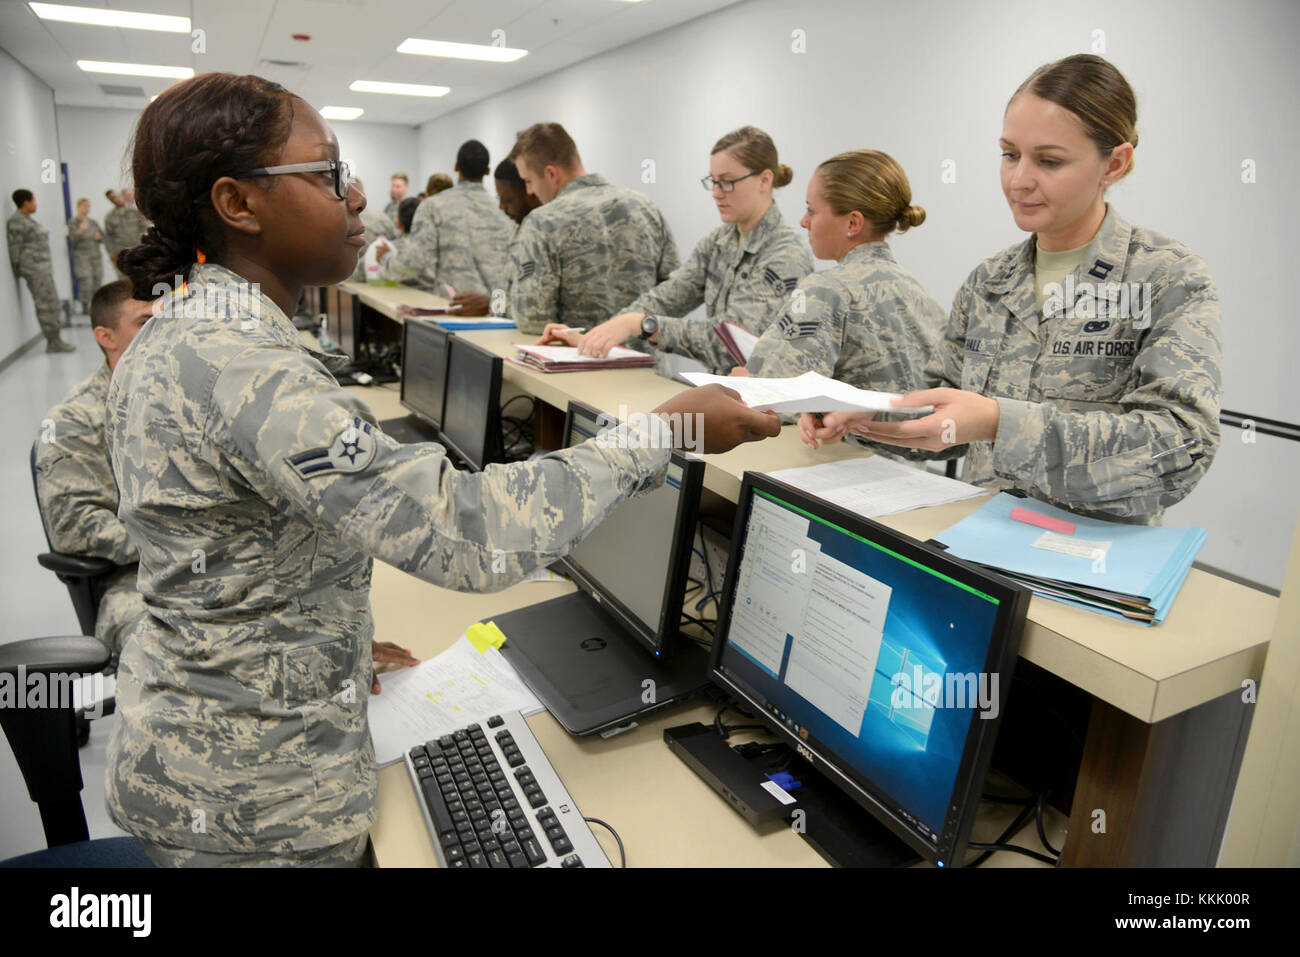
(297,437)
(73,479)
(14,240)
(809,334)
(418,252)
(681,292)
(534,280)
(669,259)
(1133,462)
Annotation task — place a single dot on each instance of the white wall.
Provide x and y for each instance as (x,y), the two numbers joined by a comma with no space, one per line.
(95,143)
(378,150)
(30,140)
(927,82)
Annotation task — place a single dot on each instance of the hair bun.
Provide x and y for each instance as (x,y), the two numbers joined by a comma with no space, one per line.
(155,261)
(784,174)
(909,217)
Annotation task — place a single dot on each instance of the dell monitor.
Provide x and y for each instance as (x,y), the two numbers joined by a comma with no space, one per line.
(882,661)
(425,350)
(612,651)
(471,420)
(638,558)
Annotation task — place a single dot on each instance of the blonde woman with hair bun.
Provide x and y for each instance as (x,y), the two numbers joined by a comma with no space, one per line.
(866,321)
(740,272)
(1082,365)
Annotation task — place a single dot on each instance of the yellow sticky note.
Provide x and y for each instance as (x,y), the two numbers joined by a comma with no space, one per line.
(483,635)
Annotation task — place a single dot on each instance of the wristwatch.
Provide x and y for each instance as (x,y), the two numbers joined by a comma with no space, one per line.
(649,326)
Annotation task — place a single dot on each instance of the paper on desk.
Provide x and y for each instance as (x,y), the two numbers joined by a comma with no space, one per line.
(569,354)
(873,486)
(810,392)
(445,693)
(545,575)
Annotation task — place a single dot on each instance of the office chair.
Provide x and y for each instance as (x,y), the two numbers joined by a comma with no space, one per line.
(44,743)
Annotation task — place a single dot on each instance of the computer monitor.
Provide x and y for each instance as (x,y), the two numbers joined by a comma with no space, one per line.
(471,419)
(637,560)
(884,662)
(425,348)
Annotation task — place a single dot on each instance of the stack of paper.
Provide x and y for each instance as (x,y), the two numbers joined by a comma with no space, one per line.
(738,340)
(810,392)
(567,359)
(420,312)
(875,486)
(1129,571)
(462,685)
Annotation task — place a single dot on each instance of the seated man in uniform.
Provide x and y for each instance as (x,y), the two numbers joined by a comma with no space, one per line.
(74,477)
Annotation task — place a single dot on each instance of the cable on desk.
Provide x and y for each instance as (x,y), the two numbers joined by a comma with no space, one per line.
(724,731)
(1033,805)
(532,399)
(622,854)
(989,849)
(702,622)
(1042,831)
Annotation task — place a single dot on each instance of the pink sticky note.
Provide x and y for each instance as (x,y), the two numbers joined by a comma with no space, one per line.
(1042,521)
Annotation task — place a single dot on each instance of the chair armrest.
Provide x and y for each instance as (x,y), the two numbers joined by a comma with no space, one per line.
(85,566)
(65,653)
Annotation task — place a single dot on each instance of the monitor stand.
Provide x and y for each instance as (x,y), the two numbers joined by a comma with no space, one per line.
(834,824)
(409,429)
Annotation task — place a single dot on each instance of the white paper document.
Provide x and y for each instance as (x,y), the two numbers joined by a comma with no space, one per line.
(873,485)
(441,695)
(810,392)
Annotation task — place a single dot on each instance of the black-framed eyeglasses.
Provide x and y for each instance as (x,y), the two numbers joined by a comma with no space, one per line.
(341,170)
(726,185)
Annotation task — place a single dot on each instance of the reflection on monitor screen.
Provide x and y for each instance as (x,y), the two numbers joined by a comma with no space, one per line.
(876,661)
(424,369)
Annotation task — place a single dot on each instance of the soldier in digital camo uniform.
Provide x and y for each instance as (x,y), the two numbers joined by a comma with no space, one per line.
(590,249)
(740,272)
(459,238)
(29,255)
(1088,356)
(87,261)
(866,321)
(74,476)
(259,492)
(124,225)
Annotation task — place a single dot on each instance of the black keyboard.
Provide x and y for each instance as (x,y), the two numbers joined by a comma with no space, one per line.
(491,799)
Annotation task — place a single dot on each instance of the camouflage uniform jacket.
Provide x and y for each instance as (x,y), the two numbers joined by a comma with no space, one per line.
(741,282)
(590,250)
(78,497)
(258,491)
(1109,406)
(84,244)
(458,238)
(123,228)
(29,245)
(865,321)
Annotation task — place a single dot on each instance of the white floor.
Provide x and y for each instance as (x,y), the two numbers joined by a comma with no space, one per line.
(35,603)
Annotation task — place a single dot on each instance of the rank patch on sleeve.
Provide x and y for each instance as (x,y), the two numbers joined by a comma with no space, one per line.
(796,330)
(776,282)
(527,269)
(351,451)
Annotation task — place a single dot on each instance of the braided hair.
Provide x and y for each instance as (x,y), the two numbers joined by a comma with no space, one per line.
(198,130)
